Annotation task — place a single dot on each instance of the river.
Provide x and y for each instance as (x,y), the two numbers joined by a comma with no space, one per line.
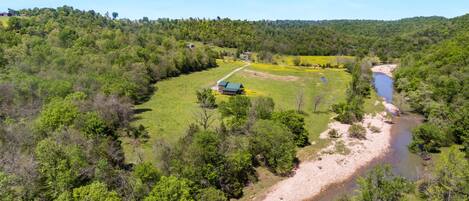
(403,162)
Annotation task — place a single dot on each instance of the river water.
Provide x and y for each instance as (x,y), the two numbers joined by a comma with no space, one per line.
(403,162)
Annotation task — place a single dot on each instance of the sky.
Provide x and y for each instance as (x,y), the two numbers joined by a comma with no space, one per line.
(259,9)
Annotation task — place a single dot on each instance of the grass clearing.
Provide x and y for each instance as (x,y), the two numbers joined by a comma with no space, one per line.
(171,109)
(4,20)
(313,60)
(285,92)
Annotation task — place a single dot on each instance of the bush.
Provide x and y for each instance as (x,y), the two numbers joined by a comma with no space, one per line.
(171,188)
(427,138)
(296,124)
(357,131)
(274,143)
(333,133)
(375,129)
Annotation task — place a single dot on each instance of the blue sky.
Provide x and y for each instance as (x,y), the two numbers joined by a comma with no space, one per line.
(260,9)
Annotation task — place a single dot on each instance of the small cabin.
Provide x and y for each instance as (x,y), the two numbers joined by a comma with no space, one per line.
(230,88)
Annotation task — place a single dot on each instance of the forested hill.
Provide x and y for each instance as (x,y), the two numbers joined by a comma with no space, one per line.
(68,80)
(387,39)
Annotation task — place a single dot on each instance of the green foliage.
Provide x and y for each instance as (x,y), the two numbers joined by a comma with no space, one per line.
(435,83)
(171,189)
(7,191)
(275,143)
(451,181)
(95,191)
(147,173)
(205,98)
(352,110)
(263,107)
(381,184)
(295,123)
(59,166)
(94,126)
(427,138)
(349,112)
(237,108)
(357,131)
(59,113)
(211,194)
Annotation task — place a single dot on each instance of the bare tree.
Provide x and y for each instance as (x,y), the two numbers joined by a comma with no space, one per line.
(317,101)
(300,100)
(204,117)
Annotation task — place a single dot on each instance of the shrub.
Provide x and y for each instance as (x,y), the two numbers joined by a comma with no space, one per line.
(357,131)
(375,129)
(340,148)
(333,133)
(295,123)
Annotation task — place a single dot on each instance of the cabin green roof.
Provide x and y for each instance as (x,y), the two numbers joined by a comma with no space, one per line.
(233,87)
(222,83)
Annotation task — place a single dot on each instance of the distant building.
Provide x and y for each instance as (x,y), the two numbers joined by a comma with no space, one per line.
(6,14)
(230,88)
(190,46)
(245,56)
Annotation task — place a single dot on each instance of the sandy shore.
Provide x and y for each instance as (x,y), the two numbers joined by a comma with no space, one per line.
(331,167)
(387,69)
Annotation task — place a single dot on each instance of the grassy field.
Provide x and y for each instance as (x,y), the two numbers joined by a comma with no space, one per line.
(285,83)
(171,109)
(312,60)
(4,20)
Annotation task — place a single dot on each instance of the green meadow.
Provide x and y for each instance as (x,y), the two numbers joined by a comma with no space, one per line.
(173,106)
(4,20)
(311,60)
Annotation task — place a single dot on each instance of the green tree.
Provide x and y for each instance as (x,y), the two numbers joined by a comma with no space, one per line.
(94,126)
(427,138)
(171,189)
(205,98)
(59,166)
(115,15)
(295,123)
(381,184)
(95,191)
(59,113)
(147,173)
(7,192)
(451,181)
(275,143)
(211,194)
(237,108)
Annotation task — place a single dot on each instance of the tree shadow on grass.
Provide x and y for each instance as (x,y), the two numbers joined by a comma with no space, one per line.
(142,110)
